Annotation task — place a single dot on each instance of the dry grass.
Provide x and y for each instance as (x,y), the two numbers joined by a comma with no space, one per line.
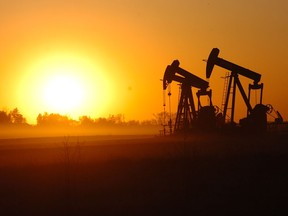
(144,176)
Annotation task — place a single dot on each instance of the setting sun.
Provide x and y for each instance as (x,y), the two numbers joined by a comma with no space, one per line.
(67,84)
(64,93)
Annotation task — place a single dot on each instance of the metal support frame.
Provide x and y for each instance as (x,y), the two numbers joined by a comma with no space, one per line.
(186,112)
(236,83)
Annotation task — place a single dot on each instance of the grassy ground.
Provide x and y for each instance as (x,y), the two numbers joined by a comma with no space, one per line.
(200,175)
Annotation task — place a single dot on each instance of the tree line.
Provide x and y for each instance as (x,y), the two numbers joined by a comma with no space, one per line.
(15,118)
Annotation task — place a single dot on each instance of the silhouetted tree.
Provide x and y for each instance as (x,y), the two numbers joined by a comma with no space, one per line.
(116,119)
(101,121)
(54,120)
(5,118)
(163,117)
(133,123)
(151,122)
(17,117)
(86,121)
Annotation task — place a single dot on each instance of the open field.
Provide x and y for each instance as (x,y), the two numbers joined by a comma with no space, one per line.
(144,175)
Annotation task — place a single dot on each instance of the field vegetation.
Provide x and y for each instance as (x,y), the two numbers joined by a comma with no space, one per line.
(200,174)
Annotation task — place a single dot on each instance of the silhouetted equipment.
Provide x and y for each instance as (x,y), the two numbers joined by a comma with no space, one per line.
(209,117)
(256,117)
(278,118)
(215,60)
(187,116)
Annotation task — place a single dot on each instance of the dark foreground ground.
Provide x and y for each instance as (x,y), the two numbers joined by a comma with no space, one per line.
(196,175)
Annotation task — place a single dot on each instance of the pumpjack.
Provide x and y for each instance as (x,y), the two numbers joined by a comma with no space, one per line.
(256,119)
(188,117)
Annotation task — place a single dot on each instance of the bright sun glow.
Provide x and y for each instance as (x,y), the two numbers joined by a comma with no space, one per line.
(65,84)
(64,93)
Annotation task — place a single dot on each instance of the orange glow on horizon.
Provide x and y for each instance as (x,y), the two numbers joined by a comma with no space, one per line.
(66,84)
(110,55)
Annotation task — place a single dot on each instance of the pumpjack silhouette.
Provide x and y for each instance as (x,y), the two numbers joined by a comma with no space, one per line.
(189,117)
(210,117)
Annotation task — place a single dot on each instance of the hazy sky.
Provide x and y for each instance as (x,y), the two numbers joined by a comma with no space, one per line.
(119,49)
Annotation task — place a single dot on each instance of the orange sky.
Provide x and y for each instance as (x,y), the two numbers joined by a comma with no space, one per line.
(121,49)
